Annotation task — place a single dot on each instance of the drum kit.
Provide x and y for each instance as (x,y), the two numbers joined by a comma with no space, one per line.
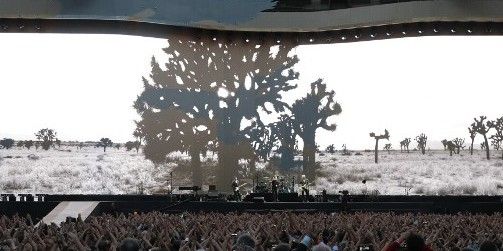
(265,184)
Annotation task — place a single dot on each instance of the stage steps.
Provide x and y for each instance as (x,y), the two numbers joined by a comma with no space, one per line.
(70,209)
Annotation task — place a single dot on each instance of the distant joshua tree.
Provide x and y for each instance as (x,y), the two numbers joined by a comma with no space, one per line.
(47,136)
(345,151)
(117,146)
(20,143)
(483,128)
(473,133)
(28,144)
(310,113)
(130,145)
(421,140)
(497,138)
(404,144)
(459,143)
(444,142)
(387,147)
(105,142)
(377,138)
(450,145)
(7,143)
(330,149)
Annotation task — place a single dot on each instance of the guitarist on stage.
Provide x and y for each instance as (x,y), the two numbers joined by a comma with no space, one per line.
(304,187)
(235,188)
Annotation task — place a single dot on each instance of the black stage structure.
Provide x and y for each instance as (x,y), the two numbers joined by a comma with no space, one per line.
(331,203)
(257,21)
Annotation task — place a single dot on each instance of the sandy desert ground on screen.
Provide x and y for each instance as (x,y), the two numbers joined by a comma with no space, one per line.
(90,171)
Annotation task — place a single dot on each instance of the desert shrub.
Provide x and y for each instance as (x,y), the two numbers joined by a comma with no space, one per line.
(349,177)
(15,185)
(498,164)
(445,191)
(100,157)
(358,153)
(367,150)
(340,180)
(469,189)
(33,157)
(419,190)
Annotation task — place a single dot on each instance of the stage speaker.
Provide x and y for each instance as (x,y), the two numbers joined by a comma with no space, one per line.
(258,200)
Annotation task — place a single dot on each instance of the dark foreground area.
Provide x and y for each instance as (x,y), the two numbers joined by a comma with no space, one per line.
(251,231)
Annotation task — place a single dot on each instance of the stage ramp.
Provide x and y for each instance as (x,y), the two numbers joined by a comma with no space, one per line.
(70,209)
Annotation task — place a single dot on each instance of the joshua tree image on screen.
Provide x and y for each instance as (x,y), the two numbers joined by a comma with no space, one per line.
(377,138)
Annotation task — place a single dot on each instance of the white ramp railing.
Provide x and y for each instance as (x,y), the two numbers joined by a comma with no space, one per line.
(70,209)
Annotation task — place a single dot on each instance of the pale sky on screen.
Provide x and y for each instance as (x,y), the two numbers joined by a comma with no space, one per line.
(84,85)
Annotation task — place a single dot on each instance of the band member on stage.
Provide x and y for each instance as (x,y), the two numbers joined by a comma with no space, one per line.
(235,188)
(274,187)
(304,187)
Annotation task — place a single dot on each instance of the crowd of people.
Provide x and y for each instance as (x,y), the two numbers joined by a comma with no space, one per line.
(261,231)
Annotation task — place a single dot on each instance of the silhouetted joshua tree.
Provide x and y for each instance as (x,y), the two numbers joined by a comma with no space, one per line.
(330,148)
(117,146)
(497,138)
(7,143)
(311,113)
(473,133)
(421,140)
(377,138)
(179,105)
(250,78)
(459,143)
(285,134)
(47,136)
(483,128)
(387,147)
(404,145)
(28,144)
(105,142)
(213,87)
